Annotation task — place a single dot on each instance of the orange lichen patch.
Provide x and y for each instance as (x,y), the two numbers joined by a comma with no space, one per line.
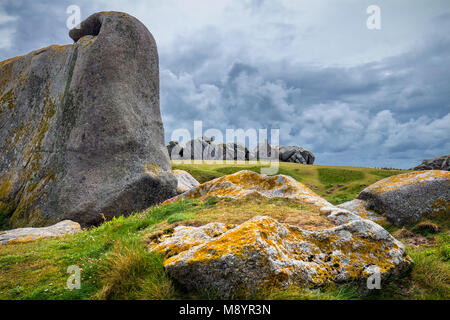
(152,169)
(418,177)
(244,182)
(183,238)
(289,255)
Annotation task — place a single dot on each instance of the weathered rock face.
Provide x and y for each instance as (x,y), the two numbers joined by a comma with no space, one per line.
(439,163)
(295,154)
(359,207)
(185,181)
(245,182)
(406,198)
(30,234)
(204,148)
(81,134)
(236,261)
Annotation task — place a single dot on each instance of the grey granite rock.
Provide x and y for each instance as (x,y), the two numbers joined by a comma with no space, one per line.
(81,135)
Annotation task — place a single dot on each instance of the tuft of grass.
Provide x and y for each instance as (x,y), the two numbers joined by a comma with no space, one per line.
(131,273)
(181,216)
(425,228)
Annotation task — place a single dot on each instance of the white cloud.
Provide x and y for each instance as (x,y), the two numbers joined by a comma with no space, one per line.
(7,30)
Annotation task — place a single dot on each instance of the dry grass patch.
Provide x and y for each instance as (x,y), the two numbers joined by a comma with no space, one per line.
(236,211)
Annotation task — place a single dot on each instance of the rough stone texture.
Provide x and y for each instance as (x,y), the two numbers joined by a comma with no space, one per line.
(245,182)
(295,154)
(80,127)
(359,207)
(30,234)
(439,163)
(237,261)
(406,198)
(185,181)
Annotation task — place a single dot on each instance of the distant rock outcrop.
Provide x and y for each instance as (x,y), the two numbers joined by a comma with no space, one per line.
(204,148)
(238,260)
(81,135)
(439,163)
(295,154)
(405,198)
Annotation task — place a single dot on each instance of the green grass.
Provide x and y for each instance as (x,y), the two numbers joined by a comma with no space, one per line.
(113,257)
(116,263)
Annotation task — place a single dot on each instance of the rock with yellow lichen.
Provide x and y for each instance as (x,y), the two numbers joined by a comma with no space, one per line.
(185,181)
(245,182)
(81,135)
(22,235)
(237,261)
(408,197)
(261,253)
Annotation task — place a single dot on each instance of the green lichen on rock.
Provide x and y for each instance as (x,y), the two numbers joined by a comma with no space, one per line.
(74,140)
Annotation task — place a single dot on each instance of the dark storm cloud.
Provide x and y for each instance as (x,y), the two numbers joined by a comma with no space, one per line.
(393,112)
(352,96)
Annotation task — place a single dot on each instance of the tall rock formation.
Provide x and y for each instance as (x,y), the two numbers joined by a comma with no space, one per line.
(81,135)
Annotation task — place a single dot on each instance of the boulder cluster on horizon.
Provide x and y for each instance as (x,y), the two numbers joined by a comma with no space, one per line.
(204,148)
(438,163)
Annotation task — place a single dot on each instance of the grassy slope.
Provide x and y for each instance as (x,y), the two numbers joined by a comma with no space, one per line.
(116,264)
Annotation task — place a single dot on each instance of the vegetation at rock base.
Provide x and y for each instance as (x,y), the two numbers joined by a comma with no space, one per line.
(116,263)
(335,184)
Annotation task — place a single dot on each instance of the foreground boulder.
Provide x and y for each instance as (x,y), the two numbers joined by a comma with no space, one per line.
(81,135)
(30,234)
(185,181)
(439,163)
(237,261)
(407,198)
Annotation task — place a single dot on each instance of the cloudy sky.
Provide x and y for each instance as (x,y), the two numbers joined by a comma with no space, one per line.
(313,69)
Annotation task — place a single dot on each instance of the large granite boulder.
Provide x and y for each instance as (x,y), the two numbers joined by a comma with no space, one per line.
(406,198)
(238,260)
(439,163)
(81,135)
(23,235)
